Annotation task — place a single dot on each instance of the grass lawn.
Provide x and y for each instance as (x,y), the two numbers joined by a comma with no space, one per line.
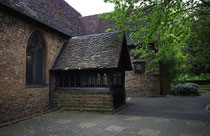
(204,87)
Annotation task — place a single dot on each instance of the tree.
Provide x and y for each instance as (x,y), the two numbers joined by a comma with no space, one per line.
(165,23)
(198,48)
(207,2)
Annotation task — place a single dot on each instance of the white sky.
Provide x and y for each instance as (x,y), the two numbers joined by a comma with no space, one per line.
(91,7)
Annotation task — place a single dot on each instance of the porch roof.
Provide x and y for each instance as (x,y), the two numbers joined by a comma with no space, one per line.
(96,51)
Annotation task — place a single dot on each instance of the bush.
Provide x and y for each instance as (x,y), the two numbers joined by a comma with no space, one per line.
(185,89)
(193,84)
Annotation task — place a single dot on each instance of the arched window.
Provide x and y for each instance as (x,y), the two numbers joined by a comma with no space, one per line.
(35,60)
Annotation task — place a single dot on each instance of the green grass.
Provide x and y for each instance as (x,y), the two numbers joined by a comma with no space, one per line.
(204,87)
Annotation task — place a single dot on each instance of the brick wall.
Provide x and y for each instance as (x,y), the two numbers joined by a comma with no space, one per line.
(85,100)
(16,100)
(140,84)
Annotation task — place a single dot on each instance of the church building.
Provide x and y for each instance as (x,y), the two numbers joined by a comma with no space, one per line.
(50,55)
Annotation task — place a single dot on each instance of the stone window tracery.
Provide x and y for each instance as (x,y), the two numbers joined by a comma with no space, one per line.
(35,60)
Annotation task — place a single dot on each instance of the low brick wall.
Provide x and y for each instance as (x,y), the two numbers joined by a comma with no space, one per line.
(81,99)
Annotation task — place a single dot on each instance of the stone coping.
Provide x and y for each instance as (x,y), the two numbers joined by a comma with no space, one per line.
(109,110)
(83,90)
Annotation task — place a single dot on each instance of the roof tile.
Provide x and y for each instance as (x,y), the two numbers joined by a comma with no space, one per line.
(94,51)
(53,13)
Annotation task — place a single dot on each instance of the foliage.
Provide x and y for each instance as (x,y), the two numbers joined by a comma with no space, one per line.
(192,84)
(185,89)
(159,28)
(198,48)
(60,108)
(186,76)
(81,110)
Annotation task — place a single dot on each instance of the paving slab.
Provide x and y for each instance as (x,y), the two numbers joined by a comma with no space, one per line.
(142,117)
(100,124)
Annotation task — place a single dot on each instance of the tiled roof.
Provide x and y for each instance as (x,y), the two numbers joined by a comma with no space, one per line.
(60,16)
(94,51)
(56,14)
(94,25)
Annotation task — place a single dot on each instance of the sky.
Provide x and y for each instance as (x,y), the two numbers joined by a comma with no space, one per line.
(91,7)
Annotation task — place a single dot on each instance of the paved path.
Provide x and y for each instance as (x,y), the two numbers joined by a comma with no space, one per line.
(97,124)
(126,122)
(170,106)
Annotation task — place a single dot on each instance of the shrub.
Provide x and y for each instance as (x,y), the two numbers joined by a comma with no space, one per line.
(193,84)
(185,89)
